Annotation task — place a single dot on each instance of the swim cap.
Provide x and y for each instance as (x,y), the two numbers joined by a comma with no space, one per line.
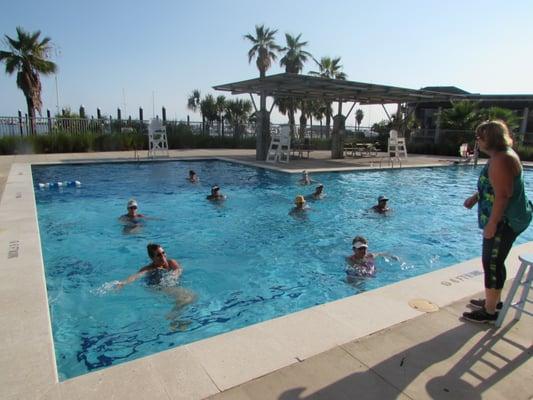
(132,203)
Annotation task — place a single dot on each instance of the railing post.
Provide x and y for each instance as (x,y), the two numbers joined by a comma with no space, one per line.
(164,114)
(119,114)
(98,113)
(49,117)
(82,111)
(141,114)
(188,120)
(20,123)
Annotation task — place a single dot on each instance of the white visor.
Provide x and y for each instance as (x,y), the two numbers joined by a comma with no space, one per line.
(358,245)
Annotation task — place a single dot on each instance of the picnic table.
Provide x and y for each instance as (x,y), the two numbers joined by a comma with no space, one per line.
(299,148)
(354,149)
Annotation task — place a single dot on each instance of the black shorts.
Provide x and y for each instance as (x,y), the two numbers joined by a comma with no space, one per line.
(495,251)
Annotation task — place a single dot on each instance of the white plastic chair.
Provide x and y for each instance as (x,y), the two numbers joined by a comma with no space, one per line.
(157,138)
(465,155)
(396,146)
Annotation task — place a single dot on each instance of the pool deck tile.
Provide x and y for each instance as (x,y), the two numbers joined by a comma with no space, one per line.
(182,375)
(439,355)
(240,356)
(308,332)
(321,352)
(135,380)
(306,380)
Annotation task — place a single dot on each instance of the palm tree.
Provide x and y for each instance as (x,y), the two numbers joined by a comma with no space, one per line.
(208,108)
(329,68)
(506,115)
(295,56)
(293,61)
(264,48)
(317,109)
(193,103)
(359,114)
(462,116)
(220,105)
(29,56)
(237,113)
(287,106)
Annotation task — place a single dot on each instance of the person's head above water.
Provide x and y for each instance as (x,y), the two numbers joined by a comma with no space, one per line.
(319,189)
(382,199)
(156,252)
(132,208)
(192,173)
(359,245)
(299,201)
(215,189)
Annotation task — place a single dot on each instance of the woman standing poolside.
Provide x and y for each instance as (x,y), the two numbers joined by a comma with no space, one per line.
(503,212)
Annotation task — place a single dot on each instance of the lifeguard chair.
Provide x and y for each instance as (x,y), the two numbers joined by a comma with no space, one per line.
(157,138)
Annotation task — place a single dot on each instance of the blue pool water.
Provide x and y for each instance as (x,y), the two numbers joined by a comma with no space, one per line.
(247,260)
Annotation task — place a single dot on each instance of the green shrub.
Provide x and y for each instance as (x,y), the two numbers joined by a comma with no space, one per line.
(525,152)
(180,136)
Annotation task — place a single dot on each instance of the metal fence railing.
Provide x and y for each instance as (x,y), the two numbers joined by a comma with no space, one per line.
(23,126)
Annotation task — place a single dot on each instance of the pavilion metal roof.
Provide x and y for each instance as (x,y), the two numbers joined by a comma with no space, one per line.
(307,86)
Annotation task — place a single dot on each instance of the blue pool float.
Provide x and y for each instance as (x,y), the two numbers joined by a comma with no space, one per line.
(57,185)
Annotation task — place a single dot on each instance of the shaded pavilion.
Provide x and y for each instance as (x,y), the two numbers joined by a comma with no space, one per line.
(334,90)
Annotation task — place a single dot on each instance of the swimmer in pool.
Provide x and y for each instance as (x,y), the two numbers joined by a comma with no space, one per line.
(382,206)
(215,194)
(318,193)
(299,208)
(163,274)
(305,179)
(132,219)
(154,271)
(132,214)
(193,178)
(361,263)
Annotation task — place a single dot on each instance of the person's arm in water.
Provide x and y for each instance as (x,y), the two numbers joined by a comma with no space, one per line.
(134,277)
(501,178)
(175,267)
(385,255)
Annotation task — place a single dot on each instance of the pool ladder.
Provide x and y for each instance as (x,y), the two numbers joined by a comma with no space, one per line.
(390,162)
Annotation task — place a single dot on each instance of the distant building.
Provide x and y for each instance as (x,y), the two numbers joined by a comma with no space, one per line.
(521,104)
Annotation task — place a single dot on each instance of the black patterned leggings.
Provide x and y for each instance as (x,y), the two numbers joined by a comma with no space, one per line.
(495,251)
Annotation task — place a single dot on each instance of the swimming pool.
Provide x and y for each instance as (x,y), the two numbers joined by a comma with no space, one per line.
(247,260)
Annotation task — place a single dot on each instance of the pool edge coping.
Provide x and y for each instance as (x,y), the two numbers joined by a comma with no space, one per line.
(216,374)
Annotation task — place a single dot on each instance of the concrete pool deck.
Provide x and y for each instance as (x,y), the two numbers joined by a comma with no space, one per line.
(372,345)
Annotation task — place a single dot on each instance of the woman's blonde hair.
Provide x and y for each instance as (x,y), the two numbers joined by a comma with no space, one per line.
(496,134)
